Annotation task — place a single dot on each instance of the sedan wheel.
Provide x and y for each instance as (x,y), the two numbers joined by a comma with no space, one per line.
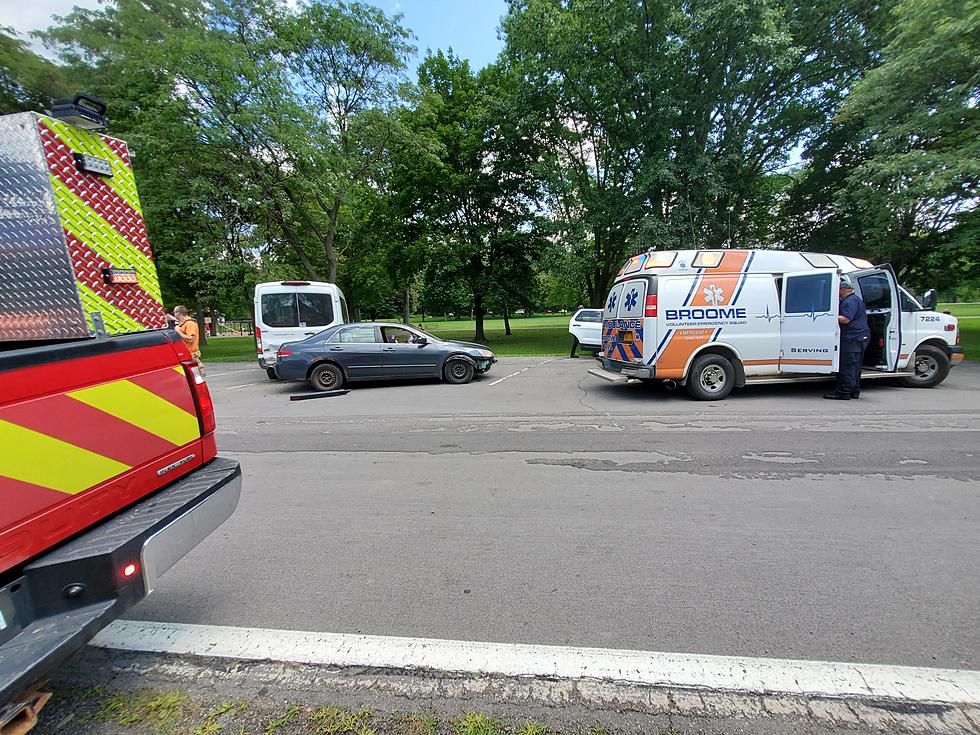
(326,377)
(459,371)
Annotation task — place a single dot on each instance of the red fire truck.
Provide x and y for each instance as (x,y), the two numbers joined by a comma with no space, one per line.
(109,472)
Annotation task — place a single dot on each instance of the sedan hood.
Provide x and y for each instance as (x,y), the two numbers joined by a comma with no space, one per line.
(467,345)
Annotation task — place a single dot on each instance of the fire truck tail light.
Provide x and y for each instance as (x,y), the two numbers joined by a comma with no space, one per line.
(202,396)
(129,570)
(651,305)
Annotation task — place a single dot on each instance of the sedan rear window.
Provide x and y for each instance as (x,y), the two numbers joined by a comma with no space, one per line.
(589,315)
(358,335)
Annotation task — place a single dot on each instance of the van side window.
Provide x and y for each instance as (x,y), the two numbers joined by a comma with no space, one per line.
(315,309)
(808,294)
(343,310)
(279,310)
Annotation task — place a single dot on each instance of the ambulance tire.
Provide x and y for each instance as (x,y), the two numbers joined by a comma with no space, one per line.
(459,371)
(711,378)
(326,377)
(271,372)
(931,365)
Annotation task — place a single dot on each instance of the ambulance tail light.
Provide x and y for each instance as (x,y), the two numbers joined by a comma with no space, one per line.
(651,306)
(950,327)
(202,396)
(258,340)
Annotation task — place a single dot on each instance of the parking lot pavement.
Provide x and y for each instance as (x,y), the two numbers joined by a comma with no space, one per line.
(552,507)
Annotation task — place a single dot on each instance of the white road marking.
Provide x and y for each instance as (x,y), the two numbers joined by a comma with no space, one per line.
(524,370)
(689,671)
(245,385)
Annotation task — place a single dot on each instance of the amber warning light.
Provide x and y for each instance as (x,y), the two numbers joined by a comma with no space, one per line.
(120,275)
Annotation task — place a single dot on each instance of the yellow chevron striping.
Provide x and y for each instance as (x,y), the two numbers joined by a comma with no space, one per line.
(86,224)
(140,407)
(39,459)
(115,320)
(123,181)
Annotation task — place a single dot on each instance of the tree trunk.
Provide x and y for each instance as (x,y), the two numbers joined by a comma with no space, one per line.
(199,318)
(407,306)
(328,242)
(213,331)
(506,319)
(478,315)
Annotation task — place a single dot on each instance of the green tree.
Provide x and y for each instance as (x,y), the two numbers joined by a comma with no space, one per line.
(28,82)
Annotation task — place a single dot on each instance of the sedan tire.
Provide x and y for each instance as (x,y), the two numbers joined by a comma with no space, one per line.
(326,377)
(458,371)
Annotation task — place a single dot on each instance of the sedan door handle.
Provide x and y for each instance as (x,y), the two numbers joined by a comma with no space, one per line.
(387,349)
(336,349)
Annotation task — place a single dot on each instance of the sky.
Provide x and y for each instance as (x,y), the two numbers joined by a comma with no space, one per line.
(468,26)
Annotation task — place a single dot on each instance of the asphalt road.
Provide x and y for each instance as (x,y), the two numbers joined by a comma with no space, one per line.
(553,507)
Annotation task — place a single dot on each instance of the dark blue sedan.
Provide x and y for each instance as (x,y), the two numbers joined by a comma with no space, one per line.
(379,351)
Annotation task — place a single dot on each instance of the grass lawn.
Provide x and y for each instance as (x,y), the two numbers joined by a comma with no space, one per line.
(961,309)
(229,349)
(537,341)
(970,338)
(433,324)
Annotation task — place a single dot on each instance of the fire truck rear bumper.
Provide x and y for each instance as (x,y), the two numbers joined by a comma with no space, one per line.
(63,598)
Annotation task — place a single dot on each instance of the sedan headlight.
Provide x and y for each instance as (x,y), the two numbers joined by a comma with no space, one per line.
(484,353)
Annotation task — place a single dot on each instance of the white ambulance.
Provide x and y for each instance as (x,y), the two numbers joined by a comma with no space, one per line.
(712,320)
(289,311)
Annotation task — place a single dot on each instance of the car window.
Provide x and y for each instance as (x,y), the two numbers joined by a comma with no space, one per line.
(279,310)
(315,309)
(397,335)
(589,315)
(354,335)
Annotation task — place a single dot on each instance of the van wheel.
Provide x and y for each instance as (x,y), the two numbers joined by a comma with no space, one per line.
(326,377)
(711,378)
(459,371)
(931,368)
(271,372)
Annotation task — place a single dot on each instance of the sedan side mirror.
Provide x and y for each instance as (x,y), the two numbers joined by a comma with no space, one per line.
(420,341)
(929,300)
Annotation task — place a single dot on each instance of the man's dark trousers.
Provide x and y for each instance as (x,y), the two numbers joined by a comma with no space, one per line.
(849,371)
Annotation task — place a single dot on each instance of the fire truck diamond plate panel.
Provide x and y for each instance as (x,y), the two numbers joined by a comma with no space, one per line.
(38,294)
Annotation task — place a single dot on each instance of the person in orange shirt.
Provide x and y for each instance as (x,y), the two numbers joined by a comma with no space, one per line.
(188,330)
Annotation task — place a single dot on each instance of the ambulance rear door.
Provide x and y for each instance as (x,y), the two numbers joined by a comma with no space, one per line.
(610,310)
(809,332)
(879,289)
(630,322)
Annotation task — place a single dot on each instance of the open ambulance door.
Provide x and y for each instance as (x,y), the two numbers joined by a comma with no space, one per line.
(809,332)
(879,289)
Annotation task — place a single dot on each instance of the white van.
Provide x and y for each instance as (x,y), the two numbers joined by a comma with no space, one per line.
(712,320)
(289,311)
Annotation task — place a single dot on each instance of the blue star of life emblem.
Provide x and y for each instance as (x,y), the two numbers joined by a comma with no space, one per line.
(631,300)
(612,302)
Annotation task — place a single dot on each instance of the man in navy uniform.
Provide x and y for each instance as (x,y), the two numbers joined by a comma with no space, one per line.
(854,336)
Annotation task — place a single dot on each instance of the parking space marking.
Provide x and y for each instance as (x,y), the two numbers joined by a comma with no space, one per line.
(674,670)
(245,385)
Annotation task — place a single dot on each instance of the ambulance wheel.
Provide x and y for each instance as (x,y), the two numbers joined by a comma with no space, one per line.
(459,371)
(271,372)
(931,368)
(326,377)
(712,377)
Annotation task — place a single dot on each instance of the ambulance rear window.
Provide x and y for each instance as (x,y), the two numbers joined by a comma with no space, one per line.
(708,259)
(819,260)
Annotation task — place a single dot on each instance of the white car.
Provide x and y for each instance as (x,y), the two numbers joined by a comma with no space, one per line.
(586,327)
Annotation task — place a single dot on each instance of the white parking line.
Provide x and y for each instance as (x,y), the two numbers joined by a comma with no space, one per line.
(688,671)
(245,385)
